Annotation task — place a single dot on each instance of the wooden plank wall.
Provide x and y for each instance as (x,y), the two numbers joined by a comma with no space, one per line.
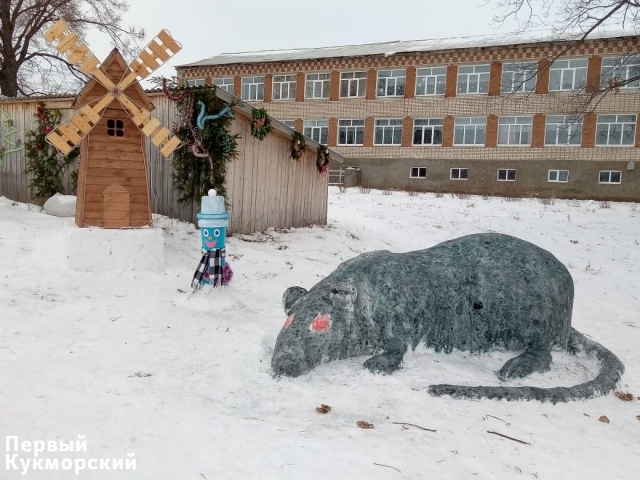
(265,186)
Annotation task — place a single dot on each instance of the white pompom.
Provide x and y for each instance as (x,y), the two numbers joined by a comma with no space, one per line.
(212,193)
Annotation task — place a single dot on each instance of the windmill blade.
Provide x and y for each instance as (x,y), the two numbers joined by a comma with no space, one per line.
(160,135)
(66,136)
(153,56)
(67,42)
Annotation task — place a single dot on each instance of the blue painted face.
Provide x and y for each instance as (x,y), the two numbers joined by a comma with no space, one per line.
(213,238)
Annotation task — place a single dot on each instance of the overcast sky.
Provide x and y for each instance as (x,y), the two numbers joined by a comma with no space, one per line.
(206,28)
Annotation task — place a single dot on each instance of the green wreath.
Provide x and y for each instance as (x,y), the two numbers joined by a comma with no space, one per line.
(322,159)
(260,124)
(298,145)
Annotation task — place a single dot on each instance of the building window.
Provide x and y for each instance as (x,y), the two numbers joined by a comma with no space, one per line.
(317,130)
(610,176)
(459,174)
(418,172)
(506,175)
(473,79)
(350,132)
(284,87)
(563,130)
(353,84)
(115,128)
(431,81)
(195,82)
(568,75)
(289,123)
(616,130)
(470,130)
(391,83)
(253,89)
(388,132)
(317,86)
(225,84)
(558,176)
(515,130)
(621,70)
(427,131)
(519,77)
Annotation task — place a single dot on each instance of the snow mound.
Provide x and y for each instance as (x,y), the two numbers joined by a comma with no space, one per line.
(61,205)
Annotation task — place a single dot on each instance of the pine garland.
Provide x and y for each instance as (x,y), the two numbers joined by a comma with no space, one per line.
(44,164)
(260,124)
(322,159)
(298,145)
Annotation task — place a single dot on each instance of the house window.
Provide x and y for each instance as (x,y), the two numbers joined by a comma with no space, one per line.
(427,131)
(506,175)
(253,89)
(418,172)
(317,130)
(459,174)
(563,130)
(388,132)
(353,84)
(391,83)
(558,176)
(225,84)
(616,130)
(568,75)
(350,132)
(610,176)
(195,82)
(470,130)
(519,77)
(515,130)
(317,86)
(115,128)
(289,123)
(624,70)
(431,81)
(284,87)
(473,79)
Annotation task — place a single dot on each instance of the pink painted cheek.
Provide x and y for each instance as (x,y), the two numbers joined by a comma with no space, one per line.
(288,321)
(321,323)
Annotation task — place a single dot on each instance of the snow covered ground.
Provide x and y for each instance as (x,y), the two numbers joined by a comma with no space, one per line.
(76,351)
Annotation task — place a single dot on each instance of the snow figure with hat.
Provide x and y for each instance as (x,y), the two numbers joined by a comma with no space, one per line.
(213,221)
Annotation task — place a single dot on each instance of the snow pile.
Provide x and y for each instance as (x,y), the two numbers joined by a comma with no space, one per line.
(61,205)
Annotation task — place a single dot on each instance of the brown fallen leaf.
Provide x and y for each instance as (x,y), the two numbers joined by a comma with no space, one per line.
(181,291)
(604,419)
(637,417)
(586,415)
(626,396)
(323,408)
(363,424)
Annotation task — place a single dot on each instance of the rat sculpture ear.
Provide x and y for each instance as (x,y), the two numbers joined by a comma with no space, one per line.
(291,296)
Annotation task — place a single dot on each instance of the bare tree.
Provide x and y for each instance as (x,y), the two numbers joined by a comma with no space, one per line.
(28,66)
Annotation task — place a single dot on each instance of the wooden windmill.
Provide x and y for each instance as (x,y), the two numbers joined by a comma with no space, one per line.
(113,185)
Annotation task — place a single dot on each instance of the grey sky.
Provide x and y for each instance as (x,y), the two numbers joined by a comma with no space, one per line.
(208,27)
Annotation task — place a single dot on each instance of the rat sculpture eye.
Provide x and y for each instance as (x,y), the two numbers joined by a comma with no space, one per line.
(288,321)
(321,323)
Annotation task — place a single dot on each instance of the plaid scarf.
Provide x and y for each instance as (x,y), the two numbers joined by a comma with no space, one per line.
(209,269)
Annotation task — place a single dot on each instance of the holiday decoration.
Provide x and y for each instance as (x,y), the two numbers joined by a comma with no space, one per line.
(322,159)
(7,130)
(298,145)
(213,221)
(202,118)
(260,124)
(111,191)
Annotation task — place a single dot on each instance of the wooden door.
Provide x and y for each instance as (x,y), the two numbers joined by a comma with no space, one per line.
(116,207)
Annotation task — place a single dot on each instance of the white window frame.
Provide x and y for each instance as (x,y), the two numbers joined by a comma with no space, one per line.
(431,124)
(465,123)
(519,77)
(419,170)
(619,172)
(225,83)
(431,78)
(289,123)
(564,68)
(601,121)
(556,174)
(385,124)
(316,129)
(351,78)
(506,179)
(395,80)
(479,73)
(515,127)
(355,127)
(561,124)
(459,170)
(314,81)
(286,81)
(623,68)
(253,84)
(195,82)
